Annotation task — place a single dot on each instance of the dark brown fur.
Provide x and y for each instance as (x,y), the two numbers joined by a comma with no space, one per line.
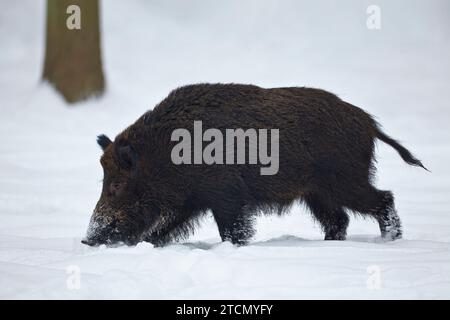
(326,157)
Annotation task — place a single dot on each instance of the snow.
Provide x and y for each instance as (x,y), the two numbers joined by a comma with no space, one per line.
(50,177)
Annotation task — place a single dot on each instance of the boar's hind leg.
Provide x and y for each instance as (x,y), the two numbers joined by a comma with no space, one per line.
(234,224)
(380,205)
(333,219)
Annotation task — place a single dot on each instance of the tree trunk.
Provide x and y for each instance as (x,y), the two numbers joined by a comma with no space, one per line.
(73,62)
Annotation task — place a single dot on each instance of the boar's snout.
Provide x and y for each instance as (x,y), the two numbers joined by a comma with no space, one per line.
(89,242)
(108,232)
(101,235)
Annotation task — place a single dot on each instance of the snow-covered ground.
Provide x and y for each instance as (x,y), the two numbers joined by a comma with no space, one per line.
(50,177)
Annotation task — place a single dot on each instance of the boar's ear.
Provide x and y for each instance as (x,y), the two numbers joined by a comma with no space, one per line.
(103,141)
(126,155)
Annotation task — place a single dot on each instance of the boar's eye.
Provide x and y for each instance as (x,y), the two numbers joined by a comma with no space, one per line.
(115,188)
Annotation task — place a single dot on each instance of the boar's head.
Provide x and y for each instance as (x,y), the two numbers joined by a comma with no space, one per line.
(125,211)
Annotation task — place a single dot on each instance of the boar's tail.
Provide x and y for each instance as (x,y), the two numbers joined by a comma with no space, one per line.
(402,151)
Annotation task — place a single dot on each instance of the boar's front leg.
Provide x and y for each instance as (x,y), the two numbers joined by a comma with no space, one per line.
(235,223)
(177,229)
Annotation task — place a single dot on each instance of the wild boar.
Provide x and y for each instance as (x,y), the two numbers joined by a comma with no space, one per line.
(325,155)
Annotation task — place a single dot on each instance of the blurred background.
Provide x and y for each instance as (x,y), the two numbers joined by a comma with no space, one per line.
(50,177)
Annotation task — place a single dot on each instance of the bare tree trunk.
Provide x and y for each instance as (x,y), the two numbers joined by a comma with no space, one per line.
(73,62)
